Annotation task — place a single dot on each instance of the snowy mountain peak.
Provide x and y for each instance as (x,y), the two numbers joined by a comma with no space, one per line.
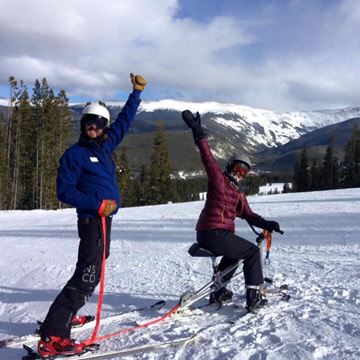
(262,128)
(256,128)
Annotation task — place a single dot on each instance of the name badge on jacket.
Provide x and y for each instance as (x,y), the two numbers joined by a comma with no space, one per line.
(94,159)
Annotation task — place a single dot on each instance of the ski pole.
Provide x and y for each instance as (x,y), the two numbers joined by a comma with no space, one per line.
(93,337)
(268,238)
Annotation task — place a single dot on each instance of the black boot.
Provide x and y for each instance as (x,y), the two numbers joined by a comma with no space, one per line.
(220,296)
(254,300)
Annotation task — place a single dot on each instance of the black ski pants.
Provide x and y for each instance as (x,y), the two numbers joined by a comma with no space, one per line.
(84,280)
(233,248)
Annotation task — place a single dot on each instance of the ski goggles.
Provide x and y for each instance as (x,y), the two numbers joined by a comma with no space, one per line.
(240,169)
(93,119)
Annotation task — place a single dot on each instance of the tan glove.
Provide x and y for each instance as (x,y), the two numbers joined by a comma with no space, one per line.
(107,207)
(138,82)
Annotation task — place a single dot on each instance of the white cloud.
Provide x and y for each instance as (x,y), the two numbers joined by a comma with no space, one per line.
(89,47)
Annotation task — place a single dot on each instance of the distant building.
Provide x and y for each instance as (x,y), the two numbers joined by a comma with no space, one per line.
(202,196)
(273,188)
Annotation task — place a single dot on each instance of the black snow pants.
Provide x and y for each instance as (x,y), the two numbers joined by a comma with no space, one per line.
(233,248)
(84,280)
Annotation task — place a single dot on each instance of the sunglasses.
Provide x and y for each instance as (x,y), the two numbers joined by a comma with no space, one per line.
(92,119)
(240,169)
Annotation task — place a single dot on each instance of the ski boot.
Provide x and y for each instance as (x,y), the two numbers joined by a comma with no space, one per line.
(221,296)
(254,298)
(52,346)
(81,320)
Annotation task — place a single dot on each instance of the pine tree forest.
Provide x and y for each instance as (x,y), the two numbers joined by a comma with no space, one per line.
(36,130)
(34,134)
(331,172)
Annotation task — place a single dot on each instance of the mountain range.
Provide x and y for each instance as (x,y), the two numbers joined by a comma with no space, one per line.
(271,139)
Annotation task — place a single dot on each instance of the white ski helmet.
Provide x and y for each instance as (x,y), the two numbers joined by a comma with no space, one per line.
(96,112)
(241,158)
(96,109)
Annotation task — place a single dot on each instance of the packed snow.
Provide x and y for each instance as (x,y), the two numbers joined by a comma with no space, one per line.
(318,257)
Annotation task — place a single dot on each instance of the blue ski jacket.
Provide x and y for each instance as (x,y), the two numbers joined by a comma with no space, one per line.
(87,173)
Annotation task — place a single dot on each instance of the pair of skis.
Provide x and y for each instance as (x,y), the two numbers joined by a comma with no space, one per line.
(186,300)
(187,309)
(30,339)
(91,354)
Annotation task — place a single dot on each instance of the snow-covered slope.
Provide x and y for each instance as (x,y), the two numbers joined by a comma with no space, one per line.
(318,257)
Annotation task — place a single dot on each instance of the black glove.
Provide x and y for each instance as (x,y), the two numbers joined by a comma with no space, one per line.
(194,123)
(272,226)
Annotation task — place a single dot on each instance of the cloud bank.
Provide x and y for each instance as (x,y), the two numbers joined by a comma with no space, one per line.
(302,55)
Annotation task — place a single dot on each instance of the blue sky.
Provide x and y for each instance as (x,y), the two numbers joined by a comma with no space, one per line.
(281,55)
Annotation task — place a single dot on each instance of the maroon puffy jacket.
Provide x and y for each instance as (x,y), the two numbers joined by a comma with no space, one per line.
(224,201)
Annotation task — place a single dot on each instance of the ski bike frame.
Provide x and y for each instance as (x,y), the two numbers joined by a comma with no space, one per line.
(190,297)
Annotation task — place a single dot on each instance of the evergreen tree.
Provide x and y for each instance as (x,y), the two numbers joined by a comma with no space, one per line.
(50,161)
(330,169)
(3,166)
(32,141)
(17,143)
(26,154)
(55,125)
(351,163)
(125,178)
(301,173)
(123,171)
(315,176)
(162,188)
(38,116)
(189,189)
(253,183)
(142,186)
(61,132)
(286,188)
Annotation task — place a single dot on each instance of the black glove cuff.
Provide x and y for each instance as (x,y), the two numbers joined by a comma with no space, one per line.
(199,134)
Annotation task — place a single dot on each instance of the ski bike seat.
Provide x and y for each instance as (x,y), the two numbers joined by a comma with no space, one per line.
(218,281)
(196,250)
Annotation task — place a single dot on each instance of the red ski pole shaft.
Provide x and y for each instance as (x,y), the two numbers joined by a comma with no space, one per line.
(93,337)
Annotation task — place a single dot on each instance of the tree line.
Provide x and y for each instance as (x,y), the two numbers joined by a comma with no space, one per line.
(330,172)
(33,135)
(155,183)
(36,131)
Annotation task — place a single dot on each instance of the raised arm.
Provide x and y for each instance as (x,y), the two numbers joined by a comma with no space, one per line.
(212,168)
(121,125)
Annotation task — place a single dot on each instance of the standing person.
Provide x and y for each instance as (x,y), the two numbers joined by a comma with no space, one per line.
(87,180)
(226,200)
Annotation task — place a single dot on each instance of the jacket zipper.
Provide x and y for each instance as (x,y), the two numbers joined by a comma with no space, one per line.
(223,215)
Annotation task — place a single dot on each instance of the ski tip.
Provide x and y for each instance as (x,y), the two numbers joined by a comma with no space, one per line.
(158,305)
(31,354)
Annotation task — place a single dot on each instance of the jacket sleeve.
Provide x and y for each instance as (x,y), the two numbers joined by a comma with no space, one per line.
(121,125)
(212,168)
(247,214)
(67,178)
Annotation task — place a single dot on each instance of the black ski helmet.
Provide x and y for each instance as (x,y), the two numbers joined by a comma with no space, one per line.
(239,158)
